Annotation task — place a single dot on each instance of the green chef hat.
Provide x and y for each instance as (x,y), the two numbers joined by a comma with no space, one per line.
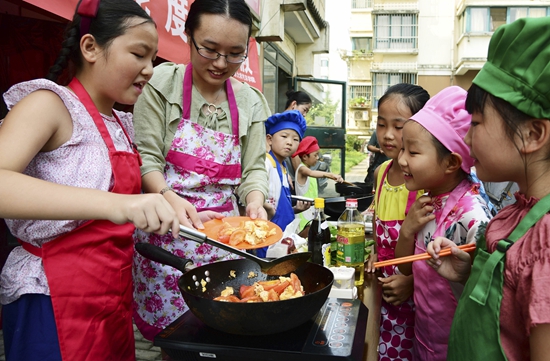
(518,66)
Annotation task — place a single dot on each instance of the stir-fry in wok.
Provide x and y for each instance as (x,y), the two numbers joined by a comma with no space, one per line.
(280,289)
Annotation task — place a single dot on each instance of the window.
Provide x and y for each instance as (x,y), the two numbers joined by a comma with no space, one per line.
(362,44)
(488,19)
(277,69)
(382,81)
(361,4)
(395,31)
(526,12)
(324,62)
(356,91)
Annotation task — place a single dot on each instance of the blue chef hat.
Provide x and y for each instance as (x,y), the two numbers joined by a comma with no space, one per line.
(291,119)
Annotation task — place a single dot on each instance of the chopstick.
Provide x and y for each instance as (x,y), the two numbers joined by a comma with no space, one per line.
(422,256)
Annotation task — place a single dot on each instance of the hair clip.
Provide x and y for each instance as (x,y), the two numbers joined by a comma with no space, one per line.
(87,11)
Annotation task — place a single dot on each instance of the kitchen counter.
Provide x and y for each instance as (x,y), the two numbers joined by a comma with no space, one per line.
(371,295)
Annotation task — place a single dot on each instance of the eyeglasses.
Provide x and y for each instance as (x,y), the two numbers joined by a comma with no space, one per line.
(214,55)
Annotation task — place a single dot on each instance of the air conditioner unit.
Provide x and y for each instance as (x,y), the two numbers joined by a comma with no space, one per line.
(361,115)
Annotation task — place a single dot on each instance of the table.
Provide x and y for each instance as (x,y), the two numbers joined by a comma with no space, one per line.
(371,295)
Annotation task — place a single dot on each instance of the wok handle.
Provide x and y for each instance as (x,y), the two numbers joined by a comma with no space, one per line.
(160,255)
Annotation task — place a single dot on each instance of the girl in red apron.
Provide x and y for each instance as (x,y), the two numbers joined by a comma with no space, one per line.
(65,154)
(201,134)
(392,203)
(504,311)
(436,159)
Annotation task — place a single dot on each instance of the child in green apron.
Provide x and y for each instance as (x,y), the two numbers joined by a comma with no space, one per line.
(504,311)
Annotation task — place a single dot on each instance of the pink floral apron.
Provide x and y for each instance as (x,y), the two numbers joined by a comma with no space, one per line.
(434,317)
(204,167)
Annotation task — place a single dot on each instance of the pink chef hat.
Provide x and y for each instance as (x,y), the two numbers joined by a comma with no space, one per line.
(446,118)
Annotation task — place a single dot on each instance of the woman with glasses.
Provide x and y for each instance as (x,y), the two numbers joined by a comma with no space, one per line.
(201,135)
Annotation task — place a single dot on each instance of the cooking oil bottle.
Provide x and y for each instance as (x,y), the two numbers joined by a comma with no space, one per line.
(351,240)
(318,238)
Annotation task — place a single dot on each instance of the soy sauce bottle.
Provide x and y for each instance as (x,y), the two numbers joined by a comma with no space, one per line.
(318,238)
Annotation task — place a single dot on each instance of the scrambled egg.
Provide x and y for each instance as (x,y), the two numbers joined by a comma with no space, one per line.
(255,232)
(228,291)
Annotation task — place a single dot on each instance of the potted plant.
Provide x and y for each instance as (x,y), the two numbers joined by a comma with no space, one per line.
(359,102)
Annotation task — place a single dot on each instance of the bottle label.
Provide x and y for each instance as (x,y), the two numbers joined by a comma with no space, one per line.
(324,225)
(350,253)
(325,251)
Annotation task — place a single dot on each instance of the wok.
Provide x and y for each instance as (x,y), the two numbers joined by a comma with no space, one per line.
(243,318)
(353,189)
(335,206)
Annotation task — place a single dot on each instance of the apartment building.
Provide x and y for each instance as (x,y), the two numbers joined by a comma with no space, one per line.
(432,43)
(291,32)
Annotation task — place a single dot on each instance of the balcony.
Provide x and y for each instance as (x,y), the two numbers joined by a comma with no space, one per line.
(405,67)
(471,52)
(303,21)
(381,6)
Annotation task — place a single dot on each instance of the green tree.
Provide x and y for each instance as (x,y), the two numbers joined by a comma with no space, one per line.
(326,110)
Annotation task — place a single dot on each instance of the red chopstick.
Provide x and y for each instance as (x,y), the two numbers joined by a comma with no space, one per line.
(470,247)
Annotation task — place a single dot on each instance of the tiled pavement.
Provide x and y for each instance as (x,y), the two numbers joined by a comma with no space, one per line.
(145,351)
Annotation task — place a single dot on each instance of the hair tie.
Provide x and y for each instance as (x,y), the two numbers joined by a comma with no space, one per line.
(87,11)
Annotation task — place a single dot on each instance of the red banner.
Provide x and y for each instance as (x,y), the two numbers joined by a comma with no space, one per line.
(170,16)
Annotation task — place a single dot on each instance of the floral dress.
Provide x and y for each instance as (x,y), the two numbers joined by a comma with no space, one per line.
(396,322)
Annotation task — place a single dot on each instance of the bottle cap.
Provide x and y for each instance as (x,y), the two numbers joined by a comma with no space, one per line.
(351,202)
(319,203)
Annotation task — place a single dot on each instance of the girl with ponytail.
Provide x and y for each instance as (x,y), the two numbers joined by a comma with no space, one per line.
(70,189)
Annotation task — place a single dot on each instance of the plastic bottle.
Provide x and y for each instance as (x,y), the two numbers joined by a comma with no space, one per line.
(351,240)
(318,238)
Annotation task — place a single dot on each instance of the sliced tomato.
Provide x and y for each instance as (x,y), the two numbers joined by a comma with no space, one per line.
(295,282)
(272,295)
(224,238)
(252,299)
(281,287)
(246,291)
(237,237)
(230,298)
(267,285)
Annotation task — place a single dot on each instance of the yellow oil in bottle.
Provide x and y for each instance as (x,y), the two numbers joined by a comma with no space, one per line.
(351,241)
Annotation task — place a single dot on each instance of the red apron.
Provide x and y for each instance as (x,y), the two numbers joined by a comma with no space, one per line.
(89,269)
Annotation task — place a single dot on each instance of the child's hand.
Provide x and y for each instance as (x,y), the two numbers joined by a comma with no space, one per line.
(369,265)
(148,212)
(396,289)
(187,213)
(335,177)
(419,215)
(301,206)
(206,216)
(455,267)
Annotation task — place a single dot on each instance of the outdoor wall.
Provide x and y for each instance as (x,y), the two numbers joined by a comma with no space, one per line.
(434,84)
(464,81)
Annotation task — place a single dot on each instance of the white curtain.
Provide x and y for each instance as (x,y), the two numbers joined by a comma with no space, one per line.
(478,20)
(382,31)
